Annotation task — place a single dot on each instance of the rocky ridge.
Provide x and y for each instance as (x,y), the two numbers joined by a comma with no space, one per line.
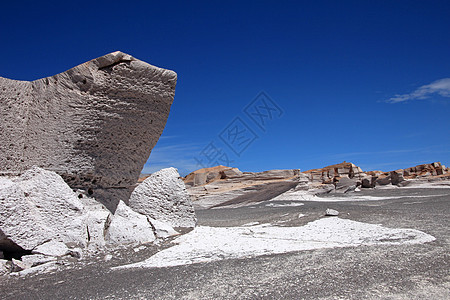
(229,187)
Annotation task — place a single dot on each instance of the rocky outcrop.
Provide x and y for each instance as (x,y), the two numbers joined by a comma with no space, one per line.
(234,188)
(95,124)
(396,176)
(208,175)
(424,170)
(213,188)
(331,174)
(38,207)
(42,218)
(163,197)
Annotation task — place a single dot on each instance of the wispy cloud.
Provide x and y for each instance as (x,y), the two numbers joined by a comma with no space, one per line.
(439,87)
(178,156)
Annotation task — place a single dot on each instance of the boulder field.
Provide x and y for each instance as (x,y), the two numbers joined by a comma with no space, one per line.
(41,215)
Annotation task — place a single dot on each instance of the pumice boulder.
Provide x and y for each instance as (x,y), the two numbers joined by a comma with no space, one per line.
(38,207)
(163,197)
(95,124)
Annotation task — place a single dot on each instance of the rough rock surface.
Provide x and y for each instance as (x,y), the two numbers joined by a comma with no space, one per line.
(162,229)
(237,188)
(52,248)
(5,266)
(163,197)
(424,170)
(208,175)
(94,124)
(368,182)
(331,212)
(331,173)
(37,259)
(128,227)
(345,184)
(37,207)
(397,176)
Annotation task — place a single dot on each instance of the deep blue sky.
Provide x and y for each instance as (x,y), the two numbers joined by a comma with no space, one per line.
(335,68)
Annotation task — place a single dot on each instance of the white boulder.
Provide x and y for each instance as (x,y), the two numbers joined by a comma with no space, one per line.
(163,197)
(38,207)
(162,229)
(331,212)
(128,227)
(37,259)
(51,248)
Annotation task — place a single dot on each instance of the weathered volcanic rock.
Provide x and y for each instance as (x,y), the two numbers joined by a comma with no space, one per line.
(94,124)
(208,175)
(368,181)
(425,170)
(163,197)
(397,176)
(234,188)
(329,174)
(345,185)
(128,227)
(38,207)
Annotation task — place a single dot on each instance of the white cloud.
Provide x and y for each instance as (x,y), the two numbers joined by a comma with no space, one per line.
(439,87)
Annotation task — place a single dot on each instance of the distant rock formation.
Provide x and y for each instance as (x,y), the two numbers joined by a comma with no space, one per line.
(214,187)
(331,174)
(95,124)
(208,175)
(233,186)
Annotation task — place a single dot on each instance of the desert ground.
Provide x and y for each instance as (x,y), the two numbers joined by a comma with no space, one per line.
(384,271)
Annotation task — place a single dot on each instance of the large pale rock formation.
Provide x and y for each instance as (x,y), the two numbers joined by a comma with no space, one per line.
(94,124)
(163,197)
(38,207)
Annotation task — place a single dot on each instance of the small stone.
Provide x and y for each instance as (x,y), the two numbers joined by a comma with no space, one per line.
(75,252)
(2,255)
(331,212)
(5,266)
(107,257)
(41,269)
(162,229)
(137,249)
(18,265)
(52,248)
(37,259)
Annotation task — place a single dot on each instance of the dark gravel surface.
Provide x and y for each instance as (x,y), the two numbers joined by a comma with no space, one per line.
(364,272)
